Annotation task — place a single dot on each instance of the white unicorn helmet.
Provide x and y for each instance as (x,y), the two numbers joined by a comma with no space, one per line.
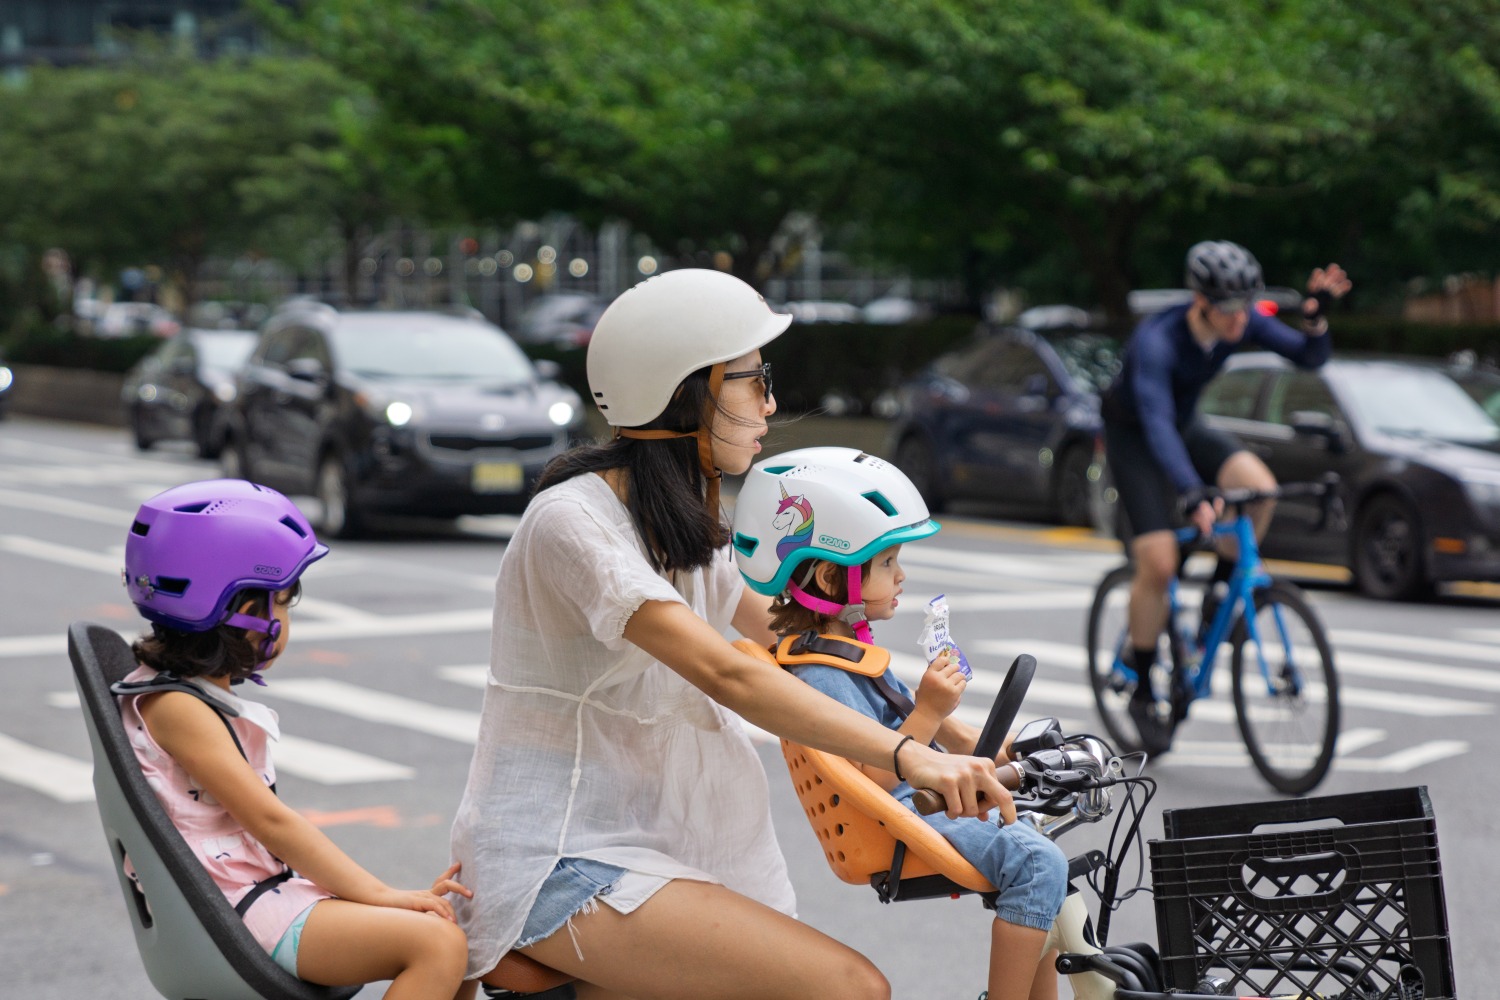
(835,504)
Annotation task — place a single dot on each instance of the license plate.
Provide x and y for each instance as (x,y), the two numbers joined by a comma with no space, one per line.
(498,477)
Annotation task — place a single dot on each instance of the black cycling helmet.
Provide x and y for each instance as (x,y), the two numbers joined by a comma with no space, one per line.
(1223,270)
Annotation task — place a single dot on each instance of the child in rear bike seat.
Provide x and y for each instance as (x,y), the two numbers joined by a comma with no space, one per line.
(822,529)
(215,567)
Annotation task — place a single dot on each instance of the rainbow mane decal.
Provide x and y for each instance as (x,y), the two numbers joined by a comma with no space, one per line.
(794,516)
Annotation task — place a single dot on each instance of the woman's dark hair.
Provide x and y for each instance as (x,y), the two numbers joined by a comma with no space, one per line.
(222,651)
(666,484)
(790,618)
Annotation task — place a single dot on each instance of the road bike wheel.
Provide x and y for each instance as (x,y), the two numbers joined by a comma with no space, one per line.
(1107,637)
(1289,715)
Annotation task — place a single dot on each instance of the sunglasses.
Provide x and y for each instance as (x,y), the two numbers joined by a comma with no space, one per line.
(1230,306)
(763,373)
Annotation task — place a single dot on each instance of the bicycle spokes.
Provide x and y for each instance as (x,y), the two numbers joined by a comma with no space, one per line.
(1285,690)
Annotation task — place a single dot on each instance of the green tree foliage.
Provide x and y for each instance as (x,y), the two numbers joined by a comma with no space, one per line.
(167,160)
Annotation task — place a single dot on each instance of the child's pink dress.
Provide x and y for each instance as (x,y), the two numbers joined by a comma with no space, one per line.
(234,859)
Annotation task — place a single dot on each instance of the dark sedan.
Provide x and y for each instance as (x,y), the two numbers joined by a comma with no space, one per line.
(179,391)
(1012,416)
(396,412)
(1418,456)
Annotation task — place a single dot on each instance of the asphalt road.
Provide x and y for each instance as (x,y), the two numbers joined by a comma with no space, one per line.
(381,690)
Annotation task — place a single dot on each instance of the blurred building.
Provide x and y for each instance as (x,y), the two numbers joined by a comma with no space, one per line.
(69,32)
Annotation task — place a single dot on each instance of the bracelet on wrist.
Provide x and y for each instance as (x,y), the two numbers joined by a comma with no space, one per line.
(896,758)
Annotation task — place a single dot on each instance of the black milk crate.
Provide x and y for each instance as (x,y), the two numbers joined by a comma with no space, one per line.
(1338,896)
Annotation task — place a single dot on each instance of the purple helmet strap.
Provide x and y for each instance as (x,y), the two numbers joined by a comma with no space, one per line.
(267,648)
(851,614)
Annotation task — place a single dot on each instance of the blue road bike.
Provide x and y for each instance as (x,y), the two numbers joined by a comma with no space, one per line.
(1286,693)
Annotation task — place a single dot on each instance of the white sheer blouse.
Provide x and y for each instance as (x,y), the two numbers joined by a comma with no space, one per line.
(589,747)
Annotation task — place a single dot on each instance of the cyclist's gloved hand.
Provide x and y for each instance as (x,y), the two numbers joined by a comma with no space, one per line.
(1201,505)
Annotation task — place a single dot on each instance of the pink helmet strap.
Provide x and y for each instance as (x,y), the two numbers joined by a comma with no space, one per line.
(851,614)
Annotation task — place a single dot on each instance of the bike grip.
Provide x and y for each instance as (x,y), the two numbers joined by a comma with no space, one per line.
(928,802)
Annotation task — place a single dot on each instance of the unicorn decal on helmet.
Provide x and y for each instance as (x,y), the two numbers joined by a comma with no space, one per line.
(794,517)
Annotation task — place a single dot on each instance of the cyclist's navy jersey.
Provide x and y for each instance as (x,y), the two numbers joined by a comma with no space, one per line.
(1164,371)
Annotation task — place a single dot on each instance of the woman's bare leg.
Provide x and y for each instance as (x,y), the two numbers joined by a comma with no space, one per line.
(694,940)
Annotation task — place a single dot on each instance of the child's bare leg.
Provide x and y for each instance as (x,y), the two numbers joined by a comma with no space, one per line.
(705,940)
(1044,986)
(346,943)
(1015,951)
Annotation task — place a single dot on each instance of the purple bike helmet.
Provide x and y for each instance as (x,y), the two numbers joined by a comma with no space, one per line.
(193,547)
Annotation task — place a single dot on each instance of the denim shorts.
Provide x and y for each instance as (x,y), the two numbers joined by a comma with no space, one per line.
(572,886)
(285,952)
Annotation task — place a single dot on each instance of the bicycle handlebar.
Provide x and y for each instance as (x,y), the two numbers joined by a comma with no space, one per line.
(1073,776)
(1330,511)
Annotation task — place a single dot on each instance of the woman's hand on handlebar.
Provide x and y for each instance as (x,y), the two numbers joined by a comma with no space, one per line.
(967,784)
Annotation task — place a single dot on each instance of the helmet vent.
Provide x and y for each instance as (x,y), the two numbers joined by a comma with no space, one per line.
(207,507)
(140,528)
(174,585)
(779,470)
(745,545)
(878,499)
(290,523)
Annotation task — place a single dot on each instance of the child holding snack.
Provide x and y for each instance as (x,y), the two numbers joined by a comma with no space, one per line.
(822,530)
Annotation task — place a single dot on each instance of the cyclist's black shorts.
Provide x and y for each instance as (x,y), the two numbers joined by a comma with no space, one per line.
(1148,499)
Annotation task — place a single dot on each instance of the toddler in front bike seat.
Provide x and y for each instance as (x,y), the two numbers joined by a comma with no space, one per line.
(821,529)
(215,568)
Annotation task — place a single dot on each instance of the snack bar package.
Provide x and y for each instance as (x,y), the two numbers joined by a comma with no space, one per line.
(935,637)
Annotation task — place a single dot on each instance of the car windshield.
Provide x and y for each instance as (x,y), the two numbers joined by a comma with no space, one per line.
(1419,403)
(225,349)
(1091,358)
(429,348)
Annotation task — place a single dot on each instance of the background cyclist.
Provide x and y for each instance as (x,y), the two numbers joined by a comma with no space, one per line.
(1163,458)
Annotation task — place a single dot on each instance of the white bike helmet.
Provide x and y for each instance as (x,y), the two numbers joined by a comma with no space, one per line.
(835,504)
(661,331)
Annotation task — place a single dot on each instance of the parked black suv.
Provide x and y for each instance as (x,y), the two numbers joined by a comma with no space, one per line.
(432,413)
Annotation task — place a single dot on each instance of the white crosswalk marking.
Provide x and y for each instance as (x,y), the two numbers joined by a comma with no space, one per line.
(376,706)
(1400,703)
(330,765)
(55,775)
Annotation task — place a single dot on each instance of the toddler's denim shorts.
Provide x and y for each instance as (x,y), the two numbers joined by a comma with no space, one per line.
(573,885)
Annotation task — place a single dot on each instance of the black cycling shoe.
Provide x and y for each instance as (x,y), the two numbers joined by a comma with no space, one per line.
(1156,736)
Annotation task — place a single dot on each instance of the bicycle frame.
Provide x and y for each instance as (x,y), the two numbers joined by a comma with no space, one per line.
(1249,576)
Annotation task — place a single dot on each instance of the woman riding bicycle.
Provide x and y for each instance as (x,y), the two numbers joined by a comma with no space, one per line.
(616,822)
(1163,457)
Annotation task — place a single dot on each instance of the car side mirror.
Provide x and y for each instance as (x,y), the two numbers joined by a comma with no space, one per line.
(307,370)
(1311,423)
(547,370)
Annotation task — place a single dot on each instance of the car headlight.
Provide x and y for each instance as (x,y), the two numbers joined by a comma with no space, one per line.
(398,413)
(1483,485)
(561,413)
(6,378)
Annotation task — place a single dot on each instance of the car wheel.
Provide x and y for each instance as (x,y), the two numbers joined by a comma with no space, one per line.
(915,458)
(340,517)
(1387,556)
(1073,490)
(203,437)
(233,462)
(138,429)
